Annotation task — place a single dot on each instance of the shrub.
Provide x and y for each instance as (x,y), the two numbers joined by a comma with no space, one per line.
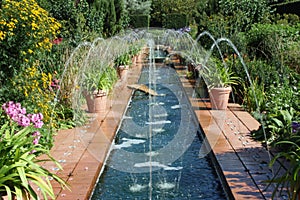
(175,21)
(26,30)
(140,21)
(276,43)
(244,12)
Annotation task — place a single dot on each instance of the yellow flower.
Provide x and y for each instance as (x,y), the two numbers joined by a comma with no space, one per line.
(2,35)
(30,51)
(34,26)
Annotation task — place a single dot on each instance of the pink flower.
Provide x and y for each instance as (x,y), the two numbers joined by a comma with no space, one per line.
(23,120)
(35,141)
(18,114)
(34,117)
(33,151)
(38,124)
(37,136)
(18,106)
(41,116)
(23,111)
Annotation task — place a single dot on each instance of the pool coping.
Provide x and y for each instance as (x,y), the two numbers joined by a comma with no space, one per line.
(82,151)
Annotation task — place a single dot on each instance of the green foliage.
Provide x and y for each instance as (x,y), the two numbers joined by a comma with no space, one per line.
(161,8)
(109,19)
(276,43)
(26,31)
(261,71)
(244,13)
(140,21)
(100,80)
(280,109)
(290,180)
(123,60)
(122,17)
(218,74)
(254,98)
(19,168)
(138,7)
(175,21)
(280,125)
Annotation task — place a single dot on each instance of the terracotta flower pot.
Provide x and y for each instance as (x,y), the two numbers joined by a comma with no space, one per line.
(97,102)
(219,98)
(122,71)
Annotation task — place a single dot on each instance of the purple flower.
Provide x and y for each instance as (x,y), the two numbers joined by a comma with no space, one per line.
(18,106)
(33,151)
(295,127)
(23,111)
(18,114)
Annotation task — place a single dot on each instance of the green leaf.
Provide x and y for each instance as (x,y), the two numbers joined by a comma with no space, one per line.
(42,184)
(278,122)
(22,175)
(9,192)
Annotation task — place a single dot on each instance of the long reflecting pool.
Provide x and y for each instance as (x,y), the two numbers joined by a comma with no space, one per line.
(156,150)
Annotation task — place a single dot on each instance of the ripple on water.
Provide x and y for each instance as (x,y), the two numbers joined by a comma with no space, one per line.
(165,186)
(137,187)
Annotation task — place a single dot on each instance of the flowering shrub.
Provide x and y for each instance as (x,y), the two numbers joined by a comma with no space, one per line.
(20,119)
(19,147)
(36,90)
(26,30)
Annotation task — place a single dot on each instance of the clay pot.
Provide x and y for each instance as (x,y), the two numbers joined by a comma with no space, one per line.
(219,98)
(96,102)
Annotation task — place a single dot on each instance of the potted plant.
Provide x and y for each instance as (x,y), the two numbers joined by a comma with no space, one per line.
(122,63)
(133,52)
(97,85)
(218,78)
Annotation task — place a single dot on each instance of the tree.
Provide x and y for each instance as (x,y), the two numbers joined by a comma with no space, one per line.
(162,8)
(138,7)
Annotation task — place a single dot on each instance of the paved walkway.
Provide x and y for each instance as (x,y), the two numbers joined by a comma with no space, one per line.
(243,161)
(82,151)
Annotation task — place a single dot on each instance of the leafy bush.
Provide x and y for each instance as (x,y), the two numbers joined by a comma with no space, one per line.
(34,88)
(175,21)
(276,43)
(140,21)
(244,12)
(26,30)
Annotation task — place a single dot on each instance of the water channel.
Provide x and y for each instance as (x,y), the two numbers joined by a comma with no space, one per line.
(155,154)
